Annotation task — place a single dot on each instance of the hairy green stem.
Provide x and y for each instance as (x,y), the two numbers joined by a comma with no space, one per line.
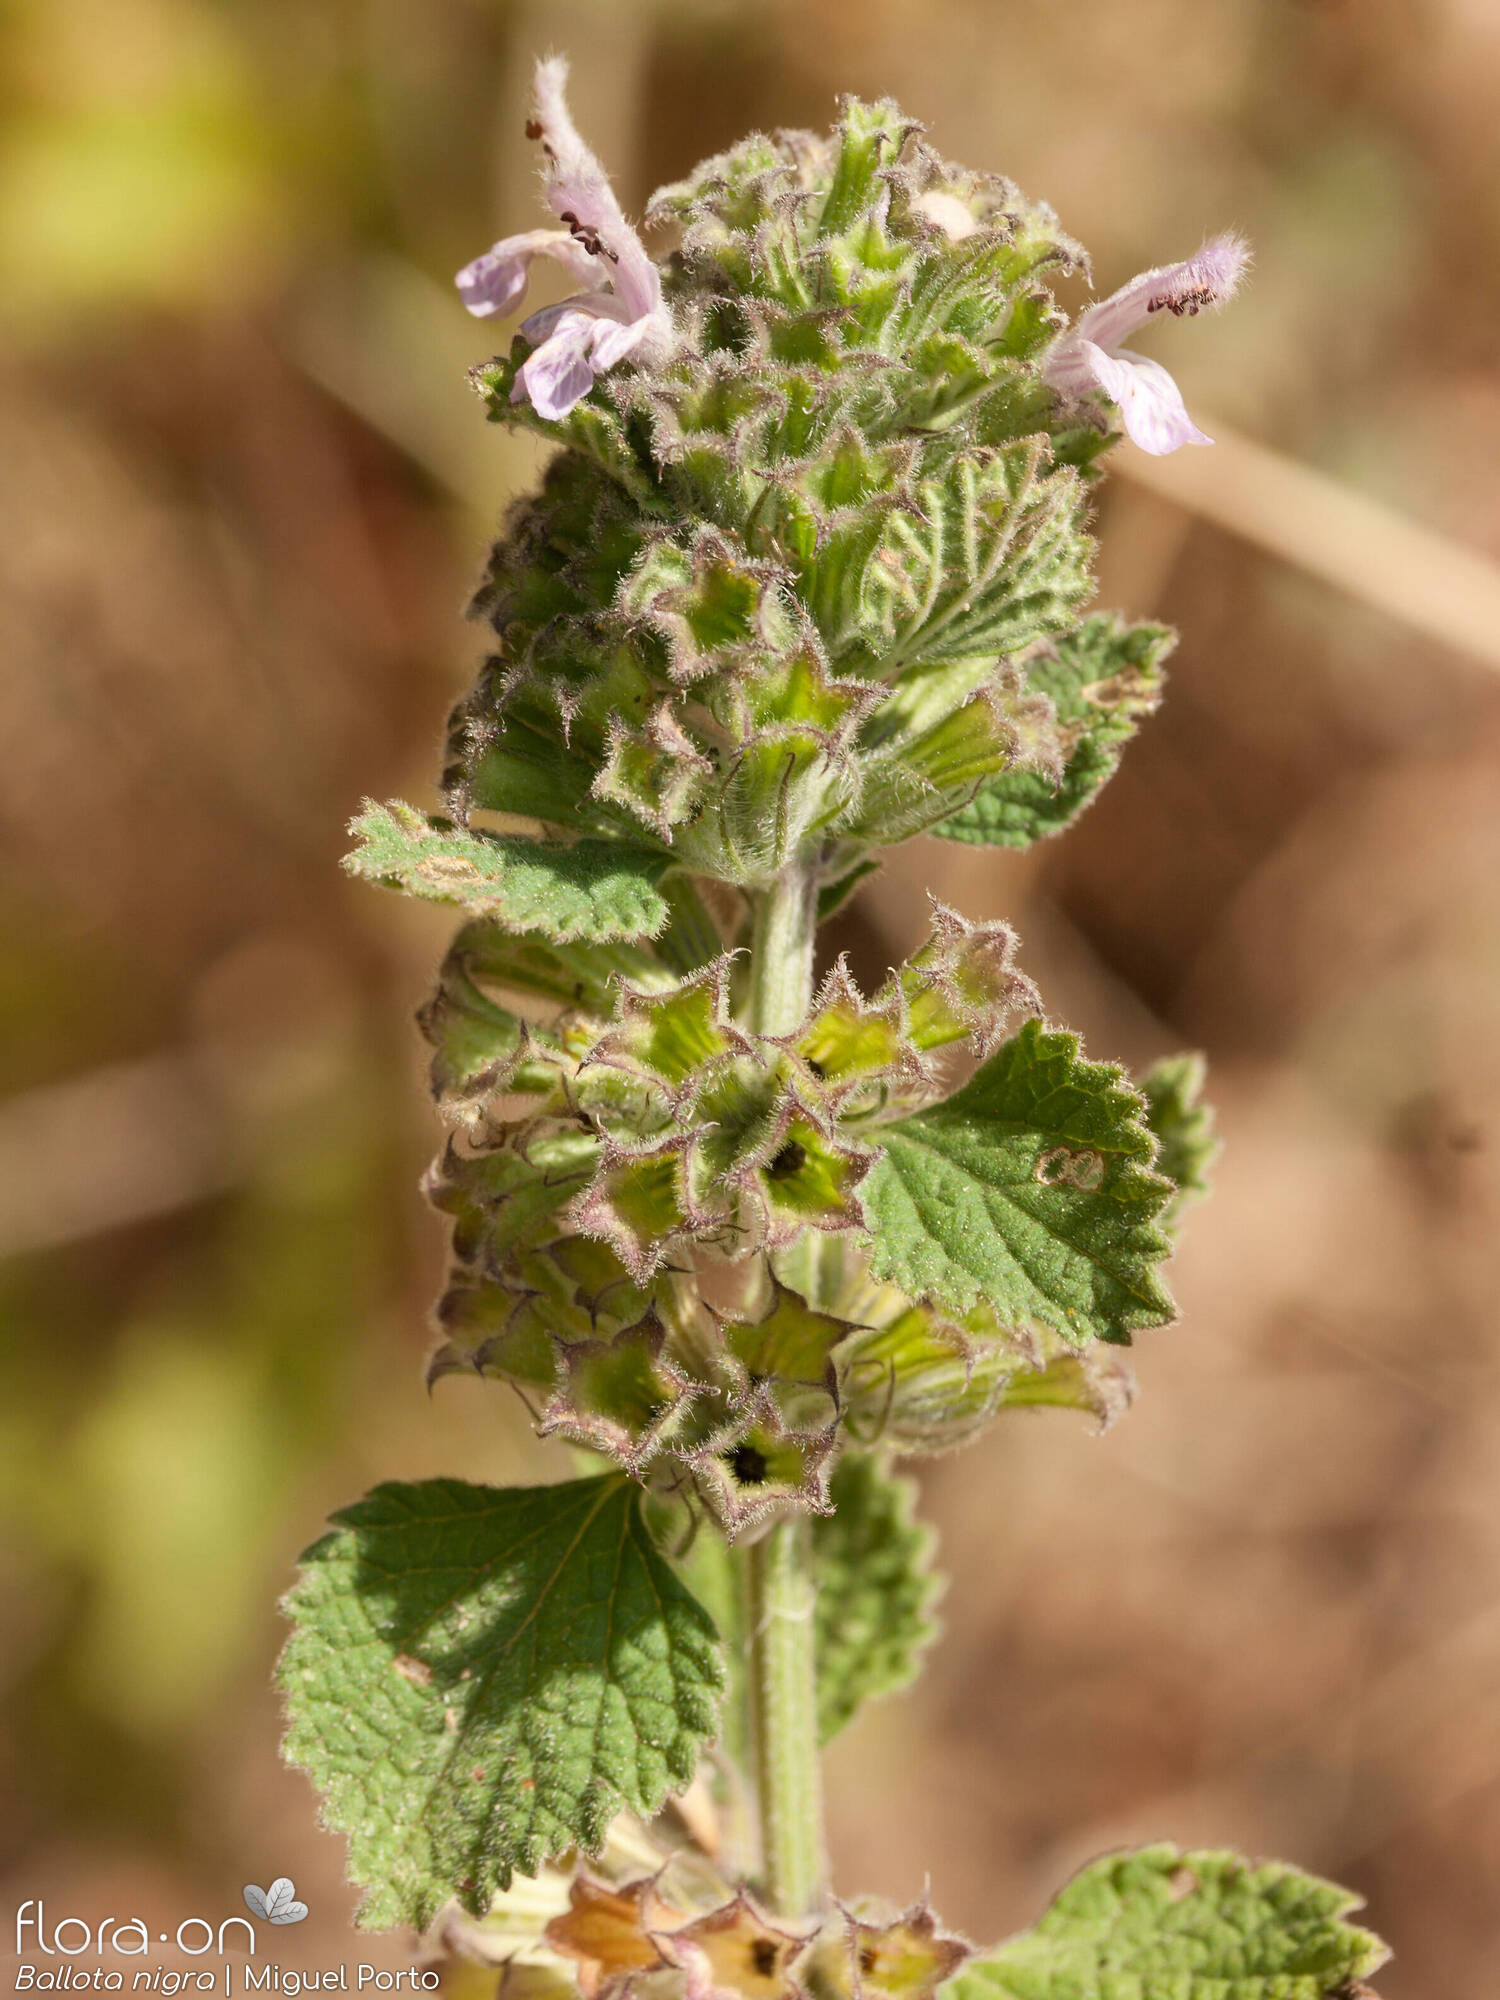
(783,1678)
(783,1664)
(781,952)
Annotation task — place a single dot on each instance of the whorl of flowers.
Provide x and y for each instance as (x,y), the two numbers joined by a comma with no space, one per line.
(806,577)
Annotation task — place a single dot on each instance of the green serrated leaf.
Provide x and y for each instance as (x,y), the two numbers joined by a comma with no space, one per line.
(876,1589)
(1162,1924)
(1184,1128)
(479,1679)
(1030,1191)
(988,555)
(594,889)
(1102,679)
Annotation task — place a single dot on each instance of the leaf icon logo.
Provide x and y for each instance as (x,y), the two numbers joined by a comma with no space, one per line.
(278,1904)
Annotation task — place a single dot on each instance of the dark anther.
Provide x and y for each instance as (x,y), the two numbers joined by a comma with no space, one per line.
(816,1067)
(533,128)
(791,1159)
(1182,302)
(867,1960)
(747,1464)
(763,1957)
(588,236)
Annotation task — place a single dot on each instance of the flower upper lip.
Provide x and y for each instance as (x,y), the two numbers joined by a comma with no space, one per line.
(1091,355)
(620,313)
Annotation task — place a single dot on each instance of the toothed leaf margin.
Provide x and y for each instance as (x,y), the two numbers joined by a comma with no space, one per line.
(479,1679)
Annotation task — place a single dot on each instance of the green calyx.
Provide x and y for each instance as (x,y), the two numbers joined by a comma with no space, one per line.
(640,1190)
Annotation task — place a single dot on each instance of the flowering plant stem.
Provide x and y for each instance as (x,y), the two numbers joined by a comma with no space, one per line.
(781,952)
(783,1668)
(784,1696)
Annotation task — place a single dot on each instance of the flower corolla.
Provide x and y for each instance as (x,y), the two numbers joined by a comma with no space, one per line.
(1091,355)
(618,316)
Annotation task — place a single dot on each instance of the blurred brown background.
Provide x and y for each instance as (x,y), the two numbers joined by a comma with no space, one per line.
(243,491)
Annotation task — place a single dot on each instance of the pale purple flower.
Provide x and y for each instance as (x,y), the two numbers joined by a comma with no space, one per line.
(1092,355)
(620,313)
